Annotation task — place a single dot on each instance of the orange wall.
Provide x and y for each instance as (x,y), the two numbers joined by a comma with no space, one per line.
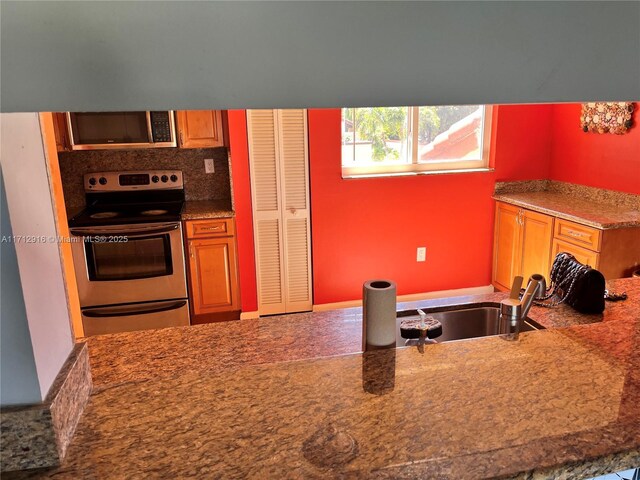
(366,228)
(521,142)
(598,160)
(239,150)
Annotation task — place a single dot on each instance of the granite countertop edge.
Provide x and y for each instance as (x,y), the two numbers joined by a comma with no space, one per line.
(208,215)
(206,209)
(509,198)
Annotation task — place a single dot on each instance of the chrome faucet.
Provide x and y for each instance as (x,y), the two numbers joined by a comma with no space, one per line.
(513,311)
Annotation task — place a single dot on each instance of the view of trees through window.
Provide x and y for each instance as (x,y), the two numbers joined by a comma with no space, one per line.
(384,134)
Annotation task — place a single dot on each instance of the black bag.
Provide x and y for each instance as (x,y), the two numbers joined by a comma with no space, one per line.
(575,284)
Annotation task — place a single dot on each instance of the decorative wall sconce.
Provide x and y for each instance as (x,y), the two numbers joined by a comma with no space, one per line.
(606,117)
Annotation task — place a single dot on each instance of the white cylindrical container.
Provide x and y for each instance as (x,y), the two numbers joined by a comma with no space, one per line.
(378,314)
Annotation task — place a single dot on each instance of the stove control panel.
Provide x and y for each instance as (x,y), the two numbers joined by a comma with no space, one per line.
(135,180)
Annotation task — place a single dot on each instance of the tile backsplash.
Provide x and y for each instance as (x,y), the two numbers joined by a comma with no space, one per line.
(198,185)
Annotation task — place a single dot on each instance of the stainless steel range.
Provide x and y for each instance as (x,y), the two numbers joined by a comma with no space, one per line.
(129,254)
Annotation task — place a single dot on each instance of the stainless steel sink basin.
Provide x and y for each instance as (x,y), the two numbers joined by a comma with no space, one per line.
(463,322)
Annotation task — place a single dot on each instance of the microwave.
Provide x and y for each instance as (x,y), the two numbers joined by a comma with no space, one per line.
(120,130)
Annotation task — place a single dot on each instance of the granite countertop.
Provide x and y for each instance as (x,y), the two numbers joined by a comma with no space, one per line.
(203,209)
(292,397)
(598,208)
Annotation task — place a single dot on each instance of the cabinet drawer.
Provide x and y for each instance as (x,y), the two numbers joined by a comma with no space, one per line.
(577,234)
(220,227)
(584,256)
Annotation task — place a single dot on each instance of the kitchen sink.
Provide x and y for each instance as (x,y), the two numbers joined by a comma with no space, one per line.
(463,322)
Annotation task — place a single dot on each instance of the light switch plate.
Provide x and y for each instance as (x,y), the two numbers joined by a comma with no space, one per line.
(421,254)
(209,166)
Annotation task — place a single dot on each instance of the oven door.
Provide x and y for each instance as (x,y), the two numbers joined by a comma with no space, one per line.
(139,316)
(129,263)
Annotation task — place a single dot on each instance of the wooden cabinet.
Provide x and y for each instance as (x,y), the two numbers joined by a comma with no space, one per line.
(522,244)
(537,230)
(577,234)
(615,252)
(61,131)
(210,228)
(200,128)
(505,245)
(213,274)
(526,242)
(588,257)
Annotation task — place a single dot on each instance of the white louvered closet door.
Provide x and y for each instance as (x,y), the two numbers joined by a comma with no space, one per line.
(278,156)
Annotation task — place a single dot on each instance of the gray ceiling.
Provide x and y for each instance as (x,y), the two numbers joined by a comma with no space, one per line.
(153,55)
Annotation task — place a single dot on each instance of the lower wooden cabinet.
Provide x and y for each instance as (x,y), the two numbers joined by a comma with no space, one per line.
(522,244)
(526,242)
(588,257)
(537,230)
(213,273)
(506,245)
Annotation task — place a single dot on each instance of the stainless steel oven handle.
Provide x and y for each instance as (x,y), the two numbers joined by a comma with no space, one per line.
(123,231)
(100,313)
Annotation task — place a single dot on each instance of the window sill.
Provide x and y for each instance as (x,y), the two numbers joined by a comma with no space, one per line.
(414,174)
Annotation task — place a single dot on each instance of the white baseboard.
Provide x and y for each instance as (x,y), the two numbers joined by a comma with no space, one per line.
(414,297)
(248,315)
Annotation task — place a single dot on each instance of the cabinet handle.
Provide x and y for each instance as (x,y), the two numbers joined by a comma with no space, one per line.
(573,233)
(211,228)
(181,139)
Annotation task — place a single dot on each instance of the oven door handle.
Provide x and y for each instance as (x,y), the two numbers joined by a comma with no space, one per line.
(124,232)
(101,313)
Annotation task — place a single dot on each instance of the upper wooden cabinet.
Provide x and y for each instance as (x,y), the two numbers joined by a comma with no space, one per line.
(526,242)
(61,131)
(522,244)
(200,128)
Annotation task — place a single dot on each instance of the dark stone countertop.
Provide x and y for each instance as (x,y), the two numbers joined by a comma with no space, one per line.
(205,209)
(292,397)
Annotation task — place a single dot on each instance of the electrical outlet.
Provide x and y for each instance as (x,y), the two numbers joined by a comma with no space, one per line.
(208,166)
(421,255)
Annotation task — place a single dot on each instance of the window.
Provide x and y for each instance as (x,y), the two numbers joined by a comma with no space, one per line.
(397,140)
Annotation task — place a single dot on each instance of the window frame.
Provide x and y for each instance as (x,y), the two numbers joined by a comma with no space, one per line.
(433,167)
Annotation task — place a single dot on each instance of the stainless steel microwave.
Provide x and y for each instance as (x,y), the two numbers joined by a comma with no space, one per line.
(120,130)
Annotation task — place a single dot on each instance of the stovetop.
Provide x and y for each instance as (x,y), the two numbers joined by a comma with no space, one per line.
(122,198)
(152,212)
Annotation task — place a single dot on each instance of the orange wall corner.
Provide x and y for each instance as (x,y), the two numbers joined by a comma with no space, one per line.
(239,150)
(598,160)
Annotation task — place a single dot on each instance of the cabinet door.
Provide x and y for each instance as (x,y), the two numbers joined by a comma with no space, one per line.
(200,128)
(60,131)
(587,257)
(537,234)
(213,275)
(506,248)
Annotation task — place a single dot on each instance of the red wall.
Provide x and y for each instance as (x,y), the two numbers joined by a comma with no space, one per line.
(242,203)
(366,228)
(370,228)
(598,160)
(521,142)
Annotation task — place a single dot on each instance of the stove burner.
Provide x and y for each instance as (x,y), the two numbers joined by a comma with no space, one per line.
(154,212)
(104,215)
